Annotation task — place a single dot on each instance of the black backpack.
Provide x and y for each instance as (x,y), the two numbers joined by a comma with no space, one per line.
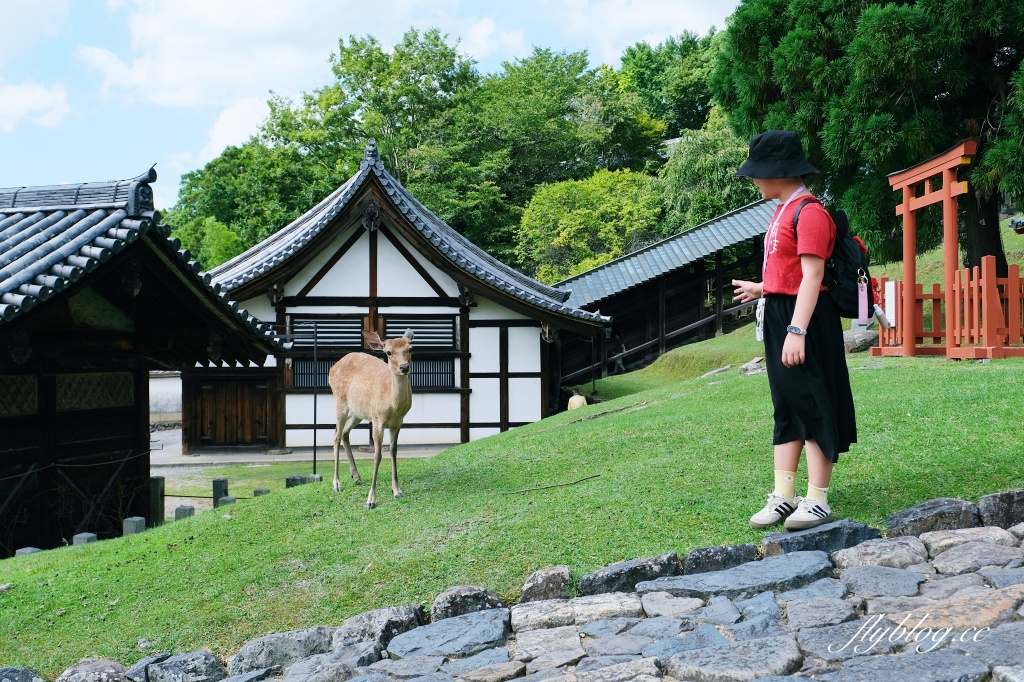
(846,267)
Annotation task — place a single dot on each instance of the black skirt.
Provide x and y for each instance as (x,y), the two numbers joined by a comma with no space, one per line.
(812,401)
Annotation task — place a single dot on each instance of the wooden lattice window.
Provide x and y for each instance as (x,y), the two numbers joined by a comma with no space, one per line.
(94,391)
(19,395)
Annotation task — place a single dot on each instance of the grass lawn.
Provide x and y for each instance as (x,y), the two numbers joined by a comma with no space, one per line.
(678,462)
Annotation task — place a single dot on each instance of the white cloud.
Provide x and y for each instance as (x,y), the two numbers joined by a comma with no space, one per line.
(612,25)
(235,125)
(483,39)
(211,53)
(32,103)
(26,21)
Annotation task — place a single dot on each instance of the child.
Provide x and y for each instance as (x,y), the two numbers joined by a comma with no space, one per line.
(803,336)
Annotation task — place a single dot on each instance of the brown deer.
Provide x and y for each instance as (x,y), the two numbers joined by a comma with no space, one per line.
(364,387)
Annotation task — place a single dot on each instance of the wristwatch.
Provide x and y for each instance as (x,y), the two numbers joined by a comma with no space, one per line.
(793,329)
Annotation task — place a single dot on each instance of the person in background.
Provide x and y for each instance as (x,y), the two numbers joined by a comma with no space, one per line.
(577,400)
(803,336)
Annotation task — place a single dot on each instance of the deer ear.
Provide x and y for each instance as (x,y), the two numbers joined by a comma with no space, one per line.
(373,341)
(408,334)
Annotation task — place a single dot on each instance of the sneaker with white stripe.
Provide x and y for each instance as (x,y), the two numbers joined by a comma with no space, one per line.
(808,514)
(778,508)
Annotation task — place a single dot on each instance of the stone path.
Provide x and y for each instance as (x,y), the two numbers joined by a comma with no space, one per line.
(836,603)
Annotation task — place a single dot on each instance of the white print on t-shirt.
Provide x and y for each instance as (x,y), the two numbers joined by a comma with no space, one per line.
(771,238)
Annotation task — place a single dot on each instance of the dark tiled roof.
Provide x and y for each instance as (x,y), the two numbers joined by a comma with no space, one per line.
(288,241)
(51,237)
(668,255)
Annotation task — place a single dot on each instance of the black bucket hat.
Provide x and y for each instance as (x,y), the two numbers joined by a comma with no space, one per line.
(776,154)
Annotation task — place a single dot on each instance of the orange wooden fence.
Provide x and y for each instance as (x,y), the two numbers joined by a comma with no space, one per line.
(988,320)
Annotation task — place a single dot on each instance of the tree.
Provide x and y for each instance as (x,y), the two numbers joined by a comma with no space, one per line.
(400,94)
(671,79)
(699,180)
(575,225)
(543,119)
(874,87)
(209,240)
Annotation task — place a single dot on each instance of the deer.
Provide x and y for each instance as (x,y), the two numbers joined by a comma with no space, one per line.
(367,388)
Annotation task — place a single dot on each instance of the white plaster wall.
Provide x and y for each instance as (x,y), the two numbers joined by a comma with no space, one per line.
(164,393)
(524,349)
(350,276)
(259,306)
(477,434)
(486,309)
(484,401)
(426,408)
(303,438)
(449,285)
(523,400)
(397,277)
(484,349)
(320,310)
(433,408)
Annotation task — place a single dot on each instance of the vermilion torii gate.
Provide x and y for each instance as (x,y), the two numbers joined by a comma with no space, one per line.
(982,312)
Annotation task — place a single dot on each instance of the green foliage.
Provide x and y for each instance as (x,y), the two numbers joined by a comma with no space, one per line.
(1003,165)
(671,79)
(874,87)
(209,240)
(699,181)
(576,225)
(401,94)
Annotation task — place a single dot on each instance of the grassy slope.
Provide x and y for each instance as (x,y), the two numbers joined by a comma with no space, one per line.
(680,465)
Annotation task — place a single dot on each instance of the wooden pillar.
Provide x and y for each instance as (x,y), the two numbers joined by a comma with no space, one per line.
(503,383)
(908,315)
(951,248)
(718,294)
(464,374)
(661,316)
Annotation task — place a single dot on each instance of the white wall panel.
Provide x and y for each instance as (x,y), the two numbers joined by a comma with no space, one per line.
(524,349)
(487,309)
(434,408)
(523,400)
(484,348)
(360,439)
(350,276)
(396,276)
(299,408)
(477,434)
(444,281)
(259,306)
(484,401)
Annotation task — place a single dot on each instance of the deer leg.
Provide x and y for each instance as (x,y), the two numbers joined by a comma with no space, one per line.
(394,464)
(378,433)
(350,423)
(337,453)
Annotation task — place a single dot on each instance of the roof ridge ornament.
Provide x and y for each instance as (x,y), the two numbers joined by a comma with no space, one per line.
(371,157)
(371,216)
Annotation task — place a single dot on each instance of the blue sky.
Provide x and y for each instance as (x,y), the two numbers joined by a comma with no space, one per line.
(101,90)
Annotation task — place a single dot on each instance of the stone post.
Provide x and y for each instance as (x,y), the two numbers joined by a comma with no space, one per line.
(293,481)
(227,499)
(133,525)
(26,550)
(183,512)
(220,489)
(156,500)
(84,538)
(260,491)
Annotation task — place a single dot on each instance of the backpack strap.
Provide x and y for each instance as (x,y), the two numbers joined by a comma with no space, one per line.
(800,207)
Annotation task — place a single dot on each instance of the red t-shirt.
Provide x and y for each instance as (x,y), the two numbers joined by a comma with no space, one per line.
(817,235)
